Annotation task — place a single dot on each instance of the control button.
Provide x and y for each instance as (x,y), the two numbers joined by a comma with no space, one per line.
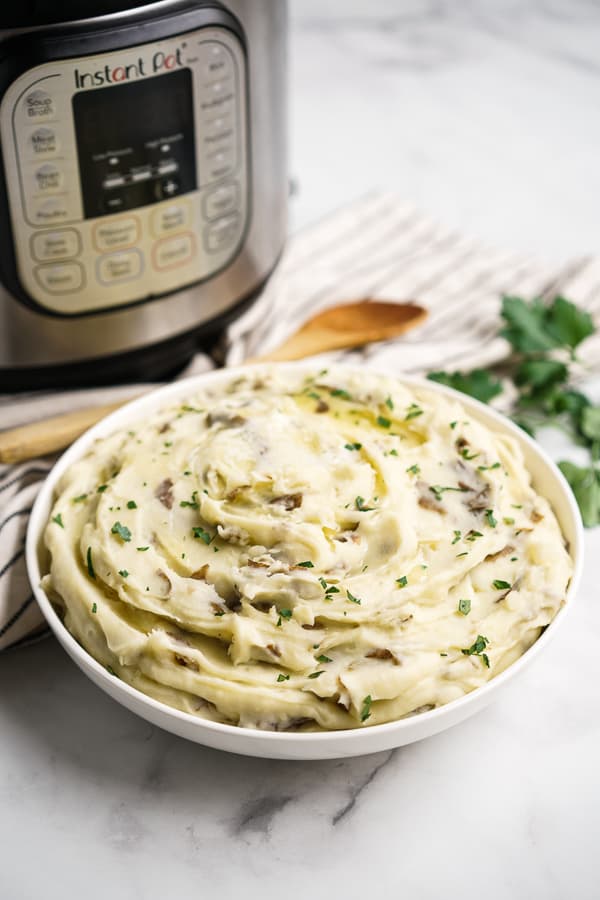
(119,267)
(219,163)
(173,251)
(215,105)
(113,181)
(39,105)
(116,234)
(167,167)
(60,279)
(115,201)
(141,175)
(166,188)
(216,127)
(44,142)
(220,200)
(55,244)
(48,178)
(222,233)
(167,219)
(47,212)
(217,61)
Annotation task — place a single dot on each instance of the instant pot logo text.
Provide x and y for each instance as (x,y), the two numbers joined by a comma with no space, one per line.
(114,74)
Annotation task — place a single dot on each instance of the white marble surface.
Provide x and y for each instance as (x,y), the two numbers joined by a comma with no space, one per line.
(486,115)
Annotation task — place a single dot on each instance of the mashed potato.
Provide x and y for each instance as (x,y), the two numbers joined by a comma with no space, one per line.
(283,551)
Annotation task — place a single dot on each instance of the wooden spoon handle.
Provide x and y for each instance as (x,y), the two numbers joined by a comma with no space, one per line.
(50,435)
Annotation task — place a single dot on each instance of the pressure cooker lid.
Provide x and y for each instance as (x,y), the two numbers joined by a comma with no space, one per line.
(33,13)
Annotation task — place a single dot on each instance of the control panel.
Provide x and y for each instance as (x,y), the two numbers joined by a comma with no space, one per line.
(127,172)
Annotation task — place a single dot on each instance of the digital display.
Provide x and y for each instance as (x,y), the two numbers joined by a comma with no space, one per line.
(135,143)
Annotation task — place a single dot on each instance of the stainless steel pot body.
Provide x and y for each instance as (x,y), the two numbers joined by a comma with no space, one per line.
(144,177)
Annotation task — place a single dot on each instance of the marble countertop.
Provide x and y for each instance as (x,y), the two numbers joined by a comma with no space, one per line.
(486,116)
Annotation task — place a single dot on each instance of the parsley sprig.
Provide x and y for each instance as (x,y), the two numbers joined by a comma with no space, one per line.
(544,338)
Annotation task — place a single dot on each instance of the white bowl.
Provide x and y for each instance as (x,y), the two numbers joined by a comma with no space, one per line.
(547,480)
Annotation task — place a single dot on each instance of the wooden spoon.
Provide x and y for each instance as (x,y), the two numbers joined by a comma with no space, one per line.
(348,325)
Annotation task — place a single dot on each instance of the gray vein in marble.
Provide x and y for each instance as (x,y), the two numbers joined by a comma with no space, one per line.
(357,789)
(257,815)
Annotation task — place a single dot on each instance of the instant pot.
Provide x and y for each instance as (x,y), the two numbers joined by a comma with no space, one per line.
(143,181)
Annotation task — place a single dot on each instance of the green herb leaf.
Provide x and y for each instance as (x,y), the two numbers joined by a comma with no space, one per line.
(58,519)
(526,325)
(122,531)
(131,504)
(590,422)
(389,403)
(477,647)
(584,481)
(464,606)
(437,490)
(383,422)
(413,411)
(306,564)
(360,505)
(478,384)
(282,677)
(355,446)
(142,549)
(316,674)
(402,581)
(123,573)
(90,564)
(79,499)
(202,535)
(324,659)
(94,608)
(101,488)
(457,536)
(489,517)
(352,598)
(569,324)
(339,392)
(473,535)
(366,708)
(500,585)
(414,470)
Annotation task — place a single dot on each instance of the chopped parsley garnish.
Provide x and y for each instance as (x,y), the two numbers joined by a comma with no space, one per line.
(500,585)
(193,503)
(413,411)
(123,573)
(94,608)
(324,659)
(453,426)
(437,490)
(393,452)
(340,392)
(122,530)
(79,499)
(514,558)
(402,581)
(202,535)
(131,504)
(389,402)
(90,564)
(457,536)
(496,465)
(355,446)
(142,549)
(306,564)
(508,521)
(383,422)
(322,582)
(284,614)
(414,469)
(443,654)
(517,505)
(464,606)
(477,649)
(111,671)
(313,395)
(360,505)
(473,535)
(58,519)
(101,488)
(282,677)
(352,598)
(365,712)
(466,553)
(219,613)
(466,454)
(489,517)
(316,674)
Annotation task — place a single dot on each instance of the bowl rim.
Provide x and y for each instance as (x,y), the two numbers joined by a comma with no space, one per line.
(153,400)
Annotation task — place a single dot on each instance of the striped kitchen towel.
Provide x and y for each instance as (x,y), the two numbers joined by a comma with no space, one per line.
(376,247)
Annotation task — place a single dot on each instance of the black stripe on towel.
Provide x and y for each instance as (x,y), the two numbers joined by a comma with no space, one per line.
(35,470)
(17,512)
(16,615)
(11,563)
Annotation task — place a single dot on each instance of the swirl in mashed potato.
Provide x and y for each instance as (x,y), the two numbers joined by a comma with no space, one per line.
(284,551)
